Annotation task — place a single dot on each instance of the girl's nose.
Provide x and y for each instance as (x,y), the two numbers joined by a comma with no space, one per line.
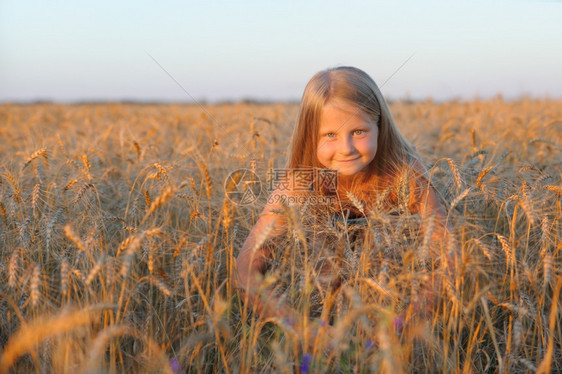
(346,145)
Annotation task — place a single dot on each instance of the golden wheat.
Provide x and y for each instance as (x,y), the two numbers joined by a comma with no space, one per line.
(39,153)
(98,227)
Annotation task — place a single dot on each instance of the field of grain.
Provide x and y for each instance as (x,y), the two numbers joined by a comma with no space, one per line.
(118,246)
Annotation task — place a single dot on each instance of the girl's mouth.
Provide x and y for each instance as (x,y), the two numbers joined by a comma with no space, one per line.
(353,159)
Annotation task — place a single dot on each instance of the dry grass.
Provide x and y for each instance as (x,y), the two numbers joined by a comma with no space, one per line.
(118,246)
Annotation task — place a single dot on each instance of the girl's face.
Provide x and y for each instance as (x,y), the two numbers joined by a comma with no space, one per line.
(347,138)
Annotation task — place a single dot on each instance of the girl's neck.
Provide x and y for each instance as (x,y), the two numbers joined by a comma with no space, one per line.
(353,182)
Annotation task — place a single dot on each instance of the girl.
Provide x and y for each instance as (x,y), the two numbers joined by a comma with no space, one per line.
(345,126)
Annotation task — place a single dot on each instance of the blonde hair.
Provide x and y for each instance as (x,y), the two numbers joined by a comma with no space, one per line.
(354,87)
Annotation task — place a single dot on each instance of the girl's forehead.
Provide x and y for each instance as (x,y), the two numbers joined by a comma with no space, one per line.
(341,108)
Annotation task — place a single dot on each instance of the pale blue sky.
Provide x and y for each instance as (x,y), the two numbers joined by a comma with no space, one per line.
(72,51)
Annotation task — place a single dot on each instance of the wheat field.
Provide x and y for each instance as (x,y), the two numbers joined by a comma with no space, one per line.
(118,245)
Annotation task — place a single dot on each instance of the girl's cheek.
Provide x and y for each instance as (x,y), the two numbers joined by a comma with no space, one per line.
(367,142)
(325,147)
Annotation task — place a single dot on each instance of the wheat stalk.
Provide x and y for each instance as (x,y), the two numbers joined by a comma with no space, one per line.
(35,195)
(82,169)
(74,238)
(162,173)
(158,283)
(454,170)
(505,247)
(160,200)
(137,149)
(64,272)
(528,364)
(82,191)
(227,214)
(147,199)
(546,141)
(42,328)
(544,236)
(69,184)
(356,202)
(125,243)
(50,227)
(34,285)
(61,146)
(39,153)
(524,203)
(3,213)
(482,247)
(481,176)
(14,184)
(95,270)
(99,346)
(547,266)
(132,244)
(86,163)
(13,269)
(207,179)
(193,187)
(517,333)
(458,199)
(556,189)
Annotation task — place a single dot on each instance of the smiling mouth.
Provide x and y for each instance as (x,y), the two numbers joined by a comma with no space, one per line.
(353,159)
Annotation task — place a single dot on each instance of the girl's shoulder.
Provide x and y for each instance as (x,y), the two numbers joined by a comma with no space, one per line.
(410,169)
(419,169)
(406,185)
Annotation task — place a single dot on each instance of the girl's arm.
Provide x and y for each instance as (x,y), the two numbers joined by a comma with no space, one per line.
(442,243)
(436,234)
(433,215)
(253,258)
(252,264)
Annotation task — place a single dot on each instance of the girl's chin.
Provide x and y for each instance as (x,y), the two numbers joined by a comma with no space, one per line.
(346,173)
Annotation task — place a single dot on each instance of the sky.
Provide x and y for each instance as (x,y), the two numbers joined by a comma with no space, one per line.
(182,51)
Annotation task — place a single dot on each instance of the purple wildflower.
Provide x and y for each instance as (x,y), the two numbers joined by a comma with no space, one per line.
(398,323)
(288,321)
(304,366)
(175,366)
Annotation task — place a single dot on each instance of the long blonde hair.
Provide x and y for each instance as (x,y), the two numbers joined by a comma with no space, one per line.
(354,87)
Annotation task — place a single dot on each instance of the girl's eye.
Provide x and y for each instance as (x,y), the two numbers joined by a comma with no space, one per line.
(359,132)
(330,135)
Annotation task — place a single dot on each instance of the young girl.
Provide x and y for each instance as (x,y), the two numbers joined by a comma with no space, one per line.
(345,126)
